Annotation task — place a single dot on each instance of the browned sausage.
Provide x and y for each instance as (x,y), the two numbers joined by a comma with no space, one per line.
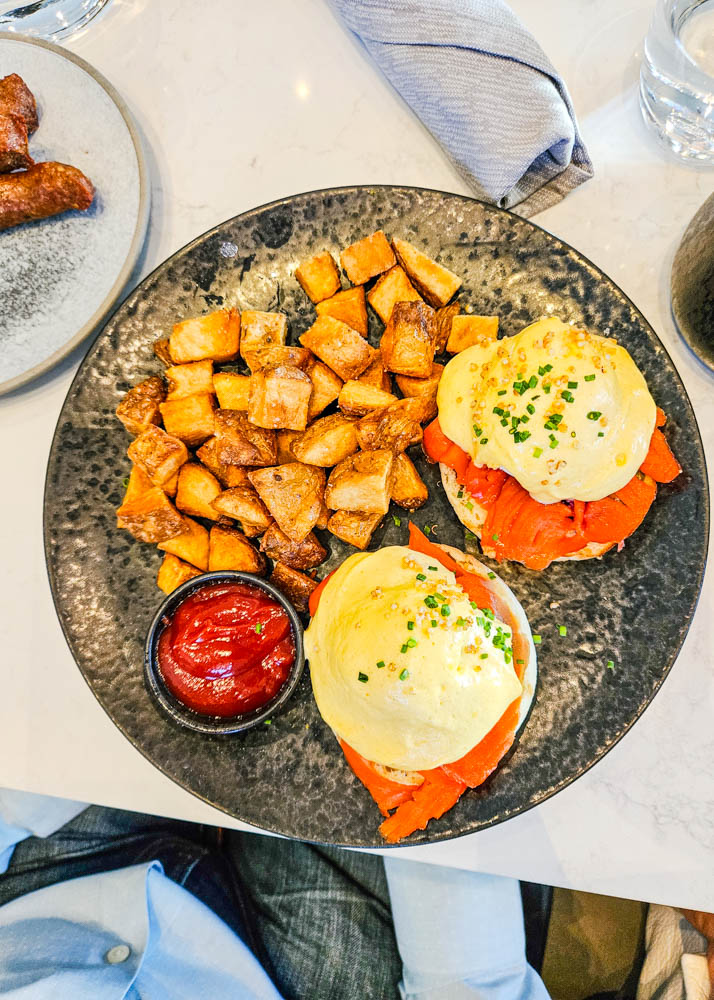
(16,99)
(43,190)
(14,154)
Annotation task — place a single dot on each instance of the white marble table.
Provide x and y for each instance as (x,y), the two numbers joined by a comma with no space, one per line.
(241,103)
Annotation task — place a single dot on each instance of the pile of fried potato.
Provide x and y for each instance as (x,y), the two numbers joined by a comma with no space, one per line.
(220,457)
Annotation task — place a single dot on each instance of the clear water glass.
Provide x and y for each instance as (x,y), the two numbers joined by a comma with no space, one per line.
(47,18)
(677,77)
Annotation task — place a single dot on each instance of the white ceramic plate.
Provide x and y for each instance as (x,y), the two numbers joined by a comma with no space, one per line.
(60,277)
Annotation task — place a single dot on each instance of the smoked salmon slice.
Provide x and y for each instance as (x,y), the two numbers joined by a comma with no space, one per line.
(387,794)
(430,800)
(660,463)
(614,518)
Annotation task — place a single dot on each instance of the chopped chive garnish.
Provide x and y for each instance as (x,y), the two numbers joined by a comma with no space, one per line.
(532,382)
(433,568)
(259,627)
(563,629)
(460,621)
(525,419)
(567,396)
(445,610)
(520,436)
(430,602)
(477,431)
(504,422)
(469,505)
(610,664)
(484,656)
(572,385)
(380,664)
(521,662)
(474,605)
(594,415)
(403,674)
(411,643)
(434,623)
(492,576)
(537,452)
(498,410)
(410,625)
(362,677)
(421,576)
(484,440)
(404,648)
(589,378)
(536,639)
(546,388)
(601,434)
(439,597)
(556,418)
(125,482)
(268,722)
(549,368)
(495,536)
(427,529)
(531,408)
(459,495)
(573,434)
(502,392)
(553,442)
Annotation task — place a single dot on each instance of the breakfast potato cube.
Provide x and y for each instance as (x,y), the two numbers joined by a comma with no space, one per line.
(324,516)
(326,442)
(227,475)
(162,351)
(357,398)
(319,277)
(325,387)
(138,484)
(229,549)
(394,427)
(239,442)
(285,451)
(191,546)
(173,572)
(355,529)
(375,374)
(467,331)
(139,406)
(367,258)
(215,336)
(197,489)
(348,306)
(296,586)
(194,379)
(280,398)
(299,555)
(158,454)
(362,482)
(233,391)
(278,354)
(151,517)
(436,283)
(424,389)
(293,493)
(262,329)
(190,418)
(342,349)
(409,489)
(444,318)
(407,344)
(243,504)
(392,287)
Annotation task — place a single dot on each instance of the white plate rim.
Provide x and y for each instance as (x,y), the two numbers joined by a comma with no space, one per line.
(142,219)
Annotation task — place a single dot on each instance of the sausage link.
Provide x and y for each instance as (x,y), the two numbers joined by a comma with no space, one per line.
(16,98)
(44,189)
(14,154)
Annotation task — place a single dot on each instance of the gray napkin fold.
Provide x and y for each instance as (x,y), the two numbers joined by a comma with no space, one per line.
(482,85)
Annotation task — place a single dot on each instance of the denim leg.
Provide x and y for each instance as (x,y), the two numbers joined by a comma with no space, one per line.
(323,917)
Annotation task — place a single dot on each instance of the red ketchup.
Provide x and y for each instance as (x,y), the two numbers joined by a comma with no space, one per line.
(227,650)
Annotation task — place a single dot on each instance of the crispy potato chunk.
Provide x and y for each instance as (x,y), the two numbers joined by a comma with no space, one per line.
(215,336)
(173,572)
(299,555)
(319,277)
(293,493)
(191,546)
(392,287)
(344,350)
(357,398)
(326,442)
(355,529)
(243,504)
(193,379)
(158,454)
(139,406)
(161,350)
(197,489)
(348,306)
(444,318)
(266,357)
(262,329)
(285,451)
(190,418)
(227,475)
(325,387)
(151,517)
(138,484)
(233,391)
(466,331)
(367,258)
(296,586)
(229,549)
(424,389)
(407,344)
(394,427)
(436,283)
(362,482)
(409,489)
(324,517)
(375,374)
(239,442)
(280,398)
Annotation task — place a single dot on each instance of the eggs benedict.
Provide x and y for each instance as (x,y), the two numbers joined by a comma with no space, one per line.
(549,443)
(423,665)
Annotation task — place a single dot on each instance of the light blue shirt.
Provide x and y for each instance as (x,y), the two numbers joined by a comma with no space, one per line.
(135,934)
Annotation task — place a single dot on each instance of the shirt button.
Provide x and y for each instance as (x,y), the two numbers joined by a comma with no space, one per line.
(119,953)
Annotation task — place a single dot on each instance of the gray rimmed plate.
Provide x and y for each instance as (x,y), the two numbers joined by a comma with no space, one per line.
(60,277)
(633,607)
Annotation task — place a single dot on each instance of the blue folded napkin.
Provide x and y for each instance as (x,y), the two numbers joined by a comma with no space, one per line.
(483,86)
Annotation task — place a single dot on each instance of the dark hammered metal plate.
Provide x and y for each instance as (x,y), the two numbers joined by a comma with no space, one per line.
(633,608)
